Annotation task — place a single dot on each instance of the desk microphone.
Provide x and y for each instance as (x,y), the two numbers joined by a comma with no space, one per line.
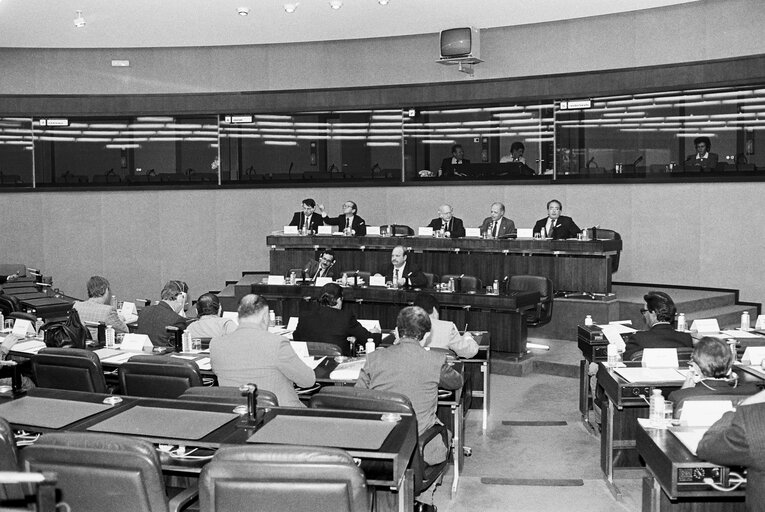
(289,171)
(639,159)
(589,162)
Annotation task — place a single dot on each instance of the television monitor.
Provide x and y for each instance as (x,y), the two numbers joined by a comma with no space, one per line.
(460,42)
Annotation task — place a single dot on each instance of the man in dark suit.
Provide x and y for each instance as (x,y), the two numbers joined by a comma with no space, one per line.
(447,224)
(658,313)
(497,225)
(452,165)
(702,160)
(348,221)
(153,320)
(738,439)
(321,268)
(555,225)
(328,322)
(403,273)
(307,218)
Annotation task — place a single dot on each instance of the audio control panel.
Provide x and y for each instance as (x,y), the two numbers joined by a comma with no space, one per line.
(696,475)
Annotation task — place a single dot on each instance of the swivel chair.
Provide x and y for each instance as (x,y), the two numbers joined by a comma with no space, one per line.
(227,395)
(542,313)
(73,369)
(397,230)
(607,234)
(158,376)
(463,284)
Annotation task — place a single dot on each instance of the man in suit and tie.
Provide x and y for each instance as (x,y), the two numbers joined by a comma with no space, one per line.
(658,313)
(448,225)
(703,160)
(497,225)
(307,218)
(452,165)
(321,268)
(555,225)
(348,221)
(402,273)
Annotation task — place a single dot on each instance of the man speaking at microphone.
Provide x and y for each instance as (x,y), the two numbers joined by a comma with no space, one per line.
(555,225)
(402,273)
(321,268)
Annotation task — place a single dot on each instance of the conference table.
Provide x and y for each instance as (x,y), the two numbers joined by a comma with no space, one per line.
(384,448)
(572,265)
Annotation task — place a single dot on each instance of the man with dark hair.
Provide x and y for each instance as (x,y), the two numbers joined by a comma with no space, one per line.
(209,323)
(402,273)
(711,373)
(555,225)
(252,354)
(154,320)
(407,368)
(452,165)
(444,334)
(348,221)
(496,225)
(738,439)
(322,268)
(702,160)
(98,308)
(307,219)
(516,153)
(328,322)
(659,313)
(447,224)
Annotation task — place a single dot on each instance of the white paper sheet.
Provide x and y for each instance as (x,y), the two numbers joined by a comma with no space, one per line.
(754,355)
(348,371)
(738,333)
(703,413)
(300,348)
(659,358)
(651,374)
(29,347)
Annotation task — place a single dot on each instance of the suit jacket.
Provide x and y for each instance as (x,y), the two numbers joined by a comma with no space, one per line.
(456,228)
(444,334)
(250,354)
(448,169)
(738,439)
(358,225)
(329,325)
(701,164)
(312,266)
(658,336)
(414,276)
(91,311)
(506,226)
(210,326)
(153,321)
(713,387)
(298,219)
(565,227)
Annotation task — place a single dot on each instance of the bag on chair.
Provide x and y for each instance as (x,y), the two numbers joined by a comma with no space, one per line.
(69,333)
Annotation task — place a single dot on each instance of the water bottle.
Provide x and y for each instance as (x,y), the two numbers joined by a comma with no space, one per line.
(681,323)
(345,279)
(496,287)
(38,324)
(109,336)
(293,278)
(369,346)
(451,284)
(186,339)
(656,409)
(612,353)
(588,320)
(2,320)
(745,321)
(734,354)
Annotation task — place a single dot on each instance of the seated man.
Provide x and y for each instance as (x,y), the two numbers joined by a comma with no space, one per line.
(98,308)
(444,334)
(659,311)
(496,224)
(209,323)
(711,373)
(555,225)
(516,153)
(737,439)
(346,221)
(307,218)
(154,320)
(401,273)
(449,226)
(252,354)
(407,368)
(328,322)
(702,160)
(453,165)
(322,268)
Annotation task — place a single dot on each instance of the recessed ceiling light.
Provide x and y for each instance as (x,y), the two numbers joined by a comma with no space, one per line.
(336,4)
(383,2)
(290,8)
(243,11)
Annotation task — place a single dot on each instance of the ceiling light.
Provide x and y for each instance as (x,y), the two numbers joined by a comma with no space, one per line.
(336,4)
(79,21)
(243,11)
(290,8)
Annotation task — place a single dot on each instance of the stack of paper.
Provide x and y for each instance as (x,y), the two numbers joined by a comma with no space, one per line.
(348,371)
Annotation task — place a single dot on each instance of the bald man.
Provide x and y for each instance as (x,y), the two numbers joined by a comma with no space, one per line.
(496,225)
(448,225)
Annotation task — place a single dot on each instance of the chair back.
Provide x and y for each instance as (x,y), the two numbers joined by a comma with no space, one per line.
(227,395)
(683,355)
(75,369)
(432,278)
(9,462)
(100,471)
(544,310)
(158,376)
(318,348)
(9,304)
(282,477)
(397,230)
(607,234)
(363,274)
(464,284)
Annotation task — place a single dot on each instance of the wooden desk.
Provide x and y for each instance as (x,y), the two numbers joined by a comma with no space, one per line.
(572,265)
(500,315)
(674,480)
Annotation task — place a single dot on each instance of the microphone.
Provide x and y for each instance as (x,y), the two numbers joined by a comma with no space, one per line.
(589,162)
(356,278)
(639,159)
(305,271)
(289,171)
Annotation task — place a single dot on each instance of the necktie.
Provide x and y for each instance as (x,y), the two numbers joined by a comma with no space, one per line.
(347,222)
(550,227)
(395,275)
(446,226)
(306,218)
(495,229)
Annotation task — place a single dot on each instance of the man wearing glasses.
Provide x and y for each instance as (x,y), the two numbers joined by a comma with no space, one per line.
(659,313)
(447,225)
(348,221)
(307,219)
(321,268)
